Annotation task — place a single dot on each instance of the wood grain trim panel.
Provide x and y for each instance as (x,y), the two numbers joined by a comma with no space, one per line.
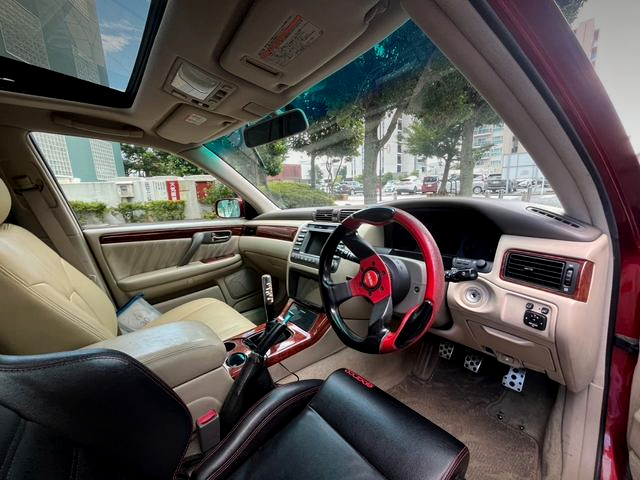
(152,235)
(298,341)
(278,233)
(583,282)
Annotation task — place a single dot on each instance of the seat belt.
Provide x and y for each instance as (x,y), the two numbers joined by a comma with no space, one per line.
(32,193)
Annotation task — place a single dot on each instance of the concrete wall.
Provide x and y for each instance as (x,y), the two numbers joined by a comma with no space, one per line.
(132,190)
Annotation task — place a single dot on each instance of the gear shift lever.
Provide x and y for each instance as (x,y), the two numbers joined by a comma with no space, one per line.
(267,295)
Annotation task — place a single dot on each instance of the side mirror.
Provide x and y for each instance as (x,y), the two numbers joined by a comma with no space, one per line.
(229,208)
(275,128)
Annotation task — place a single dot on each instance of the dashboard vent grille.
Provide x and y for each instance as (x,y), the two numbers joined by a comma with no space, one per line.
(533,269)
(323,215)
(555,216)
(345,212)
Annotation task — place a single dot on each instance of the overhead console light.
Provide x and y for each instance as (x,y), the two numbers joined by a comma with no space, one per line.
(190,83)
(193,82)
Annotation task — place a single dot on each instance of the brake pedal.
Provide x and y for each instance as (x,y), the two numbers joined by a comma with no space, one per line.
(445,350)
(472,361)
(514,379)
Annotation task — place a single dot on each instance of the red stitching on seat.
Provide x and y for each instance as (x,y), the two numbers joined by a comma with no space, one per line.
(257,430)
(456,462)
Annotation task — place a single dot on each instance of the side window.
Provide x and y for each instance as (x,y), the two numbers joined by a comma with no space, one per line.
(108,183)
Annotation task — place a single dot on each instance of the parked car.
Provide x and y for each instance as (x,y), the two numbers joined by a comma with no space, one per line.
(409,185)
(350,187)
(453,185)
(430,185)
(389,187)
(496,183)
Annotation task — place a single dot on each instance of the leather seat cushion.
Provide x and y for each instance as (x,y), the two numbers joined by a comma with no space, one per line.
(218,316)
(348,429)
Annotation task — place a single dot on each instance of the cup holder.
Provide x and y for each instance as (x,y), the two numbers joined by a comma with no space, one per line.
(236,359)
(229,346)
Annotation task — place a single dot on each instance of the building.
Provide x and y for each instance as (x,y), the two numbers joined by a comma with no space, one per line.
(31,31)
(290,173)
(76,159)
(490,139)
(587,34)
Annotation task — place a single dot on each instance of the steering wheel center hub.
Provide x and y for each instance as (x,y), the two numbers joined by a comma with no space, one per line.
(371,279)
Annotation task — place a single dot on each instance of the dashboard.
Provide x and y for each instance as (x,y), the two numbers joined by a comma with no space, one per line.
(534,306)
(457,233)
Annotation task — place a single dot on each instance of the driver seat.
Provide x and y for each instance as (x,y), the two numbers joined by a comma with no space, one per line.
(98,414)
(54,307)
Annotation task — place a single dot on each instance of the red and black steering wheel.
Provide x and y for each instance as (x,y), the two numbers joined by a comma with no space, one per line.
(406,294)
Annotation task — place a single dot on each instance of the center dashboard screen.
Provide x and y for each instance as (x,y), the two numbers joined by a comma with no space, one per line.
(316,242)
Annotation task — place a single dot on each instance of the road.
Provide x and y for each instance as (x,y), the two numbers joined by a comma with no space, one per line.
(549,198)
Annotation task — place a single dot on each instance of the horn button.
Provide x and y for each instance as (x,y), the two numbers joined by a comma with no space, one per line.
(371,279)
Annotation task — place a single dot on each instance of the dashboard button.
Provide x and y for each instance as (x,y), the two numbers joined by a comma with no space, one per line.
(535,320)
(544,310)
(529,306)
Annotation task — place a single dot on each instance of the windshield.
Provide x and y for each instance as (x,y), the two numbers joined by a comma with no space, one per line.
(388,124)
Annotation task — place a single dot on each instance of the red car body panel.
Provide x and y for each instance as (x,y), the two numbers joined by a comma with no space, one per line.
(549,44)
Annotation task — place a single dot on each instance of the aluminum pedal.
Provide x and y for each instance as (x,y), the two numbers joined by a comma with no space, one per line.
(514,379)
(472,361)
(445,350)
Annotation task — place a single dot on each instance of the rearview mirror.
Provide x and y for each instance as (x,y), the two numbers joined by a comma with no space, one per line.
(228,208)
(275,128)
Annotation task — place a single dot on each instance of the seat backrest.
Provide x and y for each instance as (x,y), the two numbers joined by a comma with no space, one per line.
(90,414)
(47,304)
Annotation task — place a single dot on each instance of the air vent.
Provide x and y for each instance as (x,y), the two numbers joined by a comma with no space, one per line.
(345,212)
(323,215)
(537,270)
(555,216)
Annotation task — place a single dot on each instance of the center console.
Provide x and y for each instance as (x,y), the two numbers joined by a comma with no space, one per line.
(306,328)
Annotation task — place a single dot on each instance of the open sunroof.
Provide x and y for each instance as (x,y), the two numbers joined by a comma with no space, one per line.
(92,51)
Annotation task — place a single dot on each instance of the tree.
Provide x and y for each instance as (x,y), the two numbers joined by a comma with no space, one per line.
(147,162)
(379,84)
(335,135)
(436,139)
(318,173)
(273,155)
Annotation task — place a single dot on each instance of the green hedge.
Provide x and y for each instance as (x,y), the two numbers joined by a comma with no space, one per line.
(89,212)
(292,195)
(217,192)
(155,211)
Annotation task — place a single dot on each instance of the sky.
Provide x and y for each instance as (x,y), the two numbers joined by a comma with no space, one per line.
(618,58)
(121,26)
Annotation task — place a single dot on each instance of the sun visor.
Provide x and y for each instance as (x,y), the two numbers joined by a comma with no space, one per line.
(191,125)
(281,42)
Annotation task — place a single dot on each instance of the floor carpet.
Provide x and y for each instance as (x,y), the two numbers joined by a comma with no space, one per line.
(503,429)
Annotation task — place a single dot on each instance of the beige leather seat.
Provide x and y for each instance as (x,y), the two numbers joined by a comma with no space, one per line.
(47,305)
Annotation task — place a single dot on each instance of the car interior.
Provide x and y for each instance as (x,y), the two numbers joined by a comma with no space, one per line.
(430,337)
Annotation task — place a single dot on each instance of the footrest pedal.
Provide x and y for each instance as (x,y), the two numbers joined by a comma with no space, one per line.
(514,379)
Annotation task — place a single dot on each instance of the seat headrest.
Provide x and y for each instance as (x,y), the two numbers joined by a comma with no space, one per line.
(5,201)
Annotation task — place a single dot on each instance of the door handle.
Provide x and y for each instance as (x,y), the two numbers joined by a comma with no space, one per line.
(203,238)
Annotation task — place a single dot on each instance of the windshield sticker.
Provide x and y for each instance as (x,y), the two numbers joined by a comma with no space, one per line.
(291,39)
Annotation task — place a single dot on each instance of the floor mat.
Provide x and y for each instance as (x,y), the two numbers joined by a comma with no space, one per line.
(501,428)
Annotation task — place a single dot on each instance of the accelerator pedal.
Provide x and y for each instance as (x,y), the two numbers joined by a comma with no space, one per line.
(514,379)
(472,361)
(445,350)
